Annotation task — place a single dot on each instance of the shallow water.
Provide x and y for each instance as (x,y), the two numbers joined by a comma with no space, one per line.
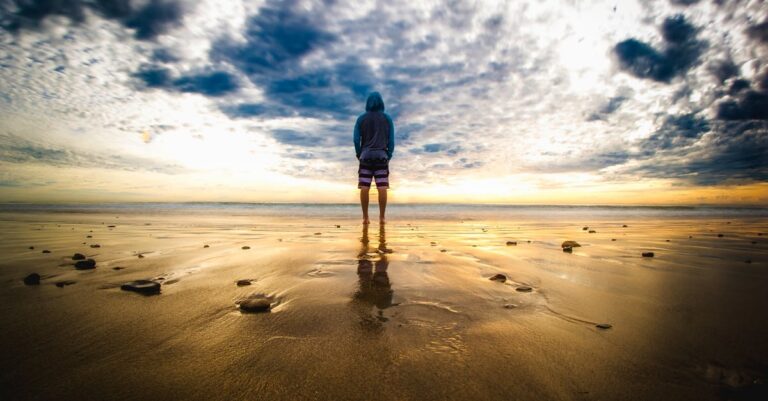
(400,312)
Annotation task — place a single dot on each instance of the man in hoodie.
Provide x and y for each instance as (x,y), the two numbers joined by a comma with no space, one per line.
(374,138)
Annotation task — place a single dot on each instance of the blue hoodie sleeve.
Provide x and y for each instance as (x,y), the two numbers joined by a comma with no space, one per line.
(356,137)
(391,141)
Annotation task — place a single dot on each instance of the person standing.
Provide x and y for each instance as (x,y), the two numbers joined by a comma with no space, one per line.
(374,138)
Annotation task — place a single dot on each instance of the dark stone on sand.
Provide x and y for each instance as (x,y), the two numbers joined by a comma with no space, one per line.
(759,234)
(443,250)
(31,247)
(585,228)
(624,226)
(46,251)
(499,277)
(62,284)
(523,288)
(719,235)
(604,326)
(567,249)
(666,240)
(118,268)
(318,233)
(145,287)
(242,283)
(690,236)
(32,279)
(510,306)
(89,236)
(140,256)
(255,306)
(511,243)
(647,254)
(433,243)
(569,244)
(85,264)
(338,226)
(206,246)
(246,247)
(95,246)
(78,256)
(613,239)
(111,226)
(592,231)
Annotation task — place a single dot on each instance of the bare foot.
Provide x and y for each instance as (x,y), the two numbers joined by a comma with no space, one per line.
(382,221)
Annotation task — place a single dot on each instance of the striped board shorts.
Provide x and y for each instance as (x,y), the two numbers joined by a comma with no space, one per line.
(371,170)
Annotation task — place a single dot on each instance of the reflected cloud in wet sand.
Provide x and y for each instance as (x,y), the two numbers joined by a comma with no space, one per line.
(374,288)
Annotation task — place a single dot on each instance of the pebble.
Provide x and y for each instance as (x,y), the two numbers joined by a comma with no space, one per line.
(443,250)
(647,254)
(567,249)
(719,235)
(624,225)
(32,279)
(85,264)
(241,283)
(89,236)
(510,306)
(95,246)
(613,239)
(318,233)
(78,256)
(118,268)
(585,228)
(524,288)
(110,226)
(46,251)
(145,287)
(206,246)
(569,244)
(246,247)
(511,243)
(499,277)
(31,247)
(62,284)
(592,231)
(140,256)
(604,326)
(338,226)
(255,305)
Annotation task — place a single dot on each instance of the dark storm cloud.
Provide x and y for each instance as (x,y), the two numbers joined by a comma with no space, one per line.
(749,105)
(149,20)
(684,2)
(214,84)
(724,69)
(759,32)
(16,150)
(323,138)
(681,52)
(677,131)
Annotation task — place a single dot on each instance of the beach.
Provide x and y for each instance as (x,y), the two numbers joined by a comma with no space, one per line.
(401,311)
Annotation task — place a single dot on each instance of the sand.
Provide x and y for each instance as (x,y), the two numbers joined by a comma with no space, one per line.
(383,313)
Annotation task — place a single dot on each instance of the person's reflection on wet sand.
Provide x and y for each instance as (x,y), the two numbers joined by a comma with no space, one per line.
(374,289)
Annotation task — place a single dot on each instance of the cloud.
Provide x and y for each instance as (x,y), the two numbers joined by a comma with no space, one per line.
(682,51)
(759,32)
(215,83)
(153,18)
(608,108)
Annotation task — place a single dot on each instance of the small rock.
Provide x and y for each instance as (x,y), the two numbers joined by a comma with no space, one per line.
(433,243)
(46,251)
(585,228)
(118,268)
(95,246)
(31,247)
(759,234)
(246,247)
(523,288)
(613,239)
(140,256)
(499,277)
(89,236)
(719,235)
(110,226)
(666,240)
(510,306)
(318,233)
(78,256)
(690,236)
(568,249)
(570,244)
(604,326)
(242,283)
(647,254)
(511,243)
(624,225)
(256,305)
(145,287)
(443,250)
(592,231)
(206,246)
(338,226)
(32,279)
(62,284)
(85,264)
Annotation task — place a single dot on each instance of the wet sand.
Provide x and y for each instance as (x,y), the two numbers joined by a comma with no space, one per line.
(400,312)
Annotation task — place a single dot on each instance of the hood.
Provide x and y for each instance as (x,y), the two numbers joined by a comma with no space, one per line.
(375,102)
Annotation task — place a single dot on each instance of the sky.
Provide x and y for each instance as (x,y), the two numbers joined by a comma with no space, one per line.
(541,102)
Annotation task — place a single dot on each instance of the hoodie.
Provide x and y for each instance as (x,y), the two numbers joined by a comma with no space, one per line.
(374,134)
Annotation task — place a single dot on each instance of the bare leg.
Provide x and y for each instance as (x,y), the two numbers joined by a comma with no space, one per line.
(382,203)
(364,204)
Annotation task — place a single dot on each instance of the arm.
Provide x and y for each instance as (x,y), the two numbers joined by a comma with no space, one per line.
(356,138)
(391,141)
